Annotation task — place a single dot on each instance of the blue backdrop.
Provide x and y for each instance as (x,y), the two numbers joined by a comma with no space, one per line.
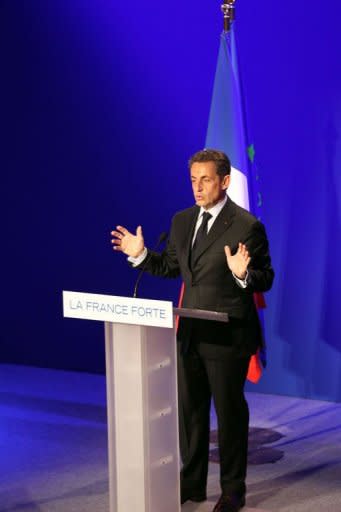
(102,104)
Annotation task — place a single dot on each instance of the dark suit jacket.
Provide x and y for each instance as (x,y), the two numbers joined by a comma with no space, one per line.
(210,284)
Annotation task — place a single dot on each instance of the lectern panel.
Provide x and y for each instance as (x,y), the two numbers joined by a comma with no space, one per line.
(142,418)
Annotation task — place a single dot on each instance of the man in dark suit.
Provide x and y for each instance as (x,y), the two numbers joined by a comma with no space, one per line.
(221,252)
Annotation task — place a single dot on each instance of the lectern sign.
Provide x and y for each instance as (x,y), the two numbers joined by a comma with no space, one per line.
(123,310)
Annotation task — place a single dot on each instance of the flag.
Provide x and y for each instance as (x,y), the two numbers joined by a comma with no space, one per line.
(226,126)
(227,131)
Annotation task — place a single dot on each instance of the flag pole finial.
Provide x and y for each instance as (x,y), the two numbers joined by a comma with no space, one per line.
(228,10)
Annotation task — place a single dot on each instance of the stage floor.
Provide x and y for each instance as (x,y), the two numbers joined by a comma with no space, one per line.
(53,448)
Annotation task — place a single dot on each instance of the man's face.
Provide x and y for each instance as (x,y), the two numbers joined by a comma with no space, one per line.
(208,187)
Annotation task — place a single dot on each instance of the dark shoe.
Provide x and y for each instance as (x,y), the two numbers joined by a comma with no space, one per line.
(229,503)
(196,496)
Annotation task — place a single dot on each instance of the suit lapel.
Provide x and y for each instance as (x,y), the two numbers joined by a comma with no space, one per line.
(220,225)
(188,230)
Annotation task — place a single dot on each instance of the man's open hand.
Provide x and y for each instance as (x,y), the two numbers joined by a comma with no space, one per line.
(239,262)
(126,242)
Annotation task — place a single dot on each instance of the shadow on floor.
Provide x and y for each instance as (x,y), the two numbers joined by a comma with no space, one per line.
(258,453)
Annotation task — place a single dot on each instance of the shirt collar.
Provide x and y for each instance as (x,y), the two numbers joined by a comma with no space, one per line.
(215,210)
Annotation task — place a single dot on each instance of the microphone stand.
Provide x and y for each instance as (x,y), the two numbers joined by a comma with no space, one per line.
(161,239)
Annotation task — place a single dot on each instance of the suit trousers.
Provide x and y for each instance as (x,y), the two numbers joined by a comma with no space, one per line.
(208,371)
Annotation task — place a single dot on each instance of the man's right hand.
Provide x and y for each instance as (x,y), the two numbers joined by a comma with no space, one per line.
(126,242)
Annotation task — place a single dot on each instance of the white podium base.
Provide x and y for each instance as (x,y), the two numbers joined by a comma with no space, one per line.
(142,418)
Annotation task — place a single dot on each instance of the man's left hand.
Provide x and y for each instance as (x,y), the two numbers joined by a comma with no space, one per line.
(239,262)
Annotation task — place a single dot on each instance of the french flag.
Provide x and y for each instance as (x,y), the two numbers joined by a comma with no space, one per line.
(227,131)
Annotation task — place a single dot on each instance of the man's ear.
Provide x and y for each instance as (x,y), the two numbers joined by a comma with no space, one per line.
(226,182)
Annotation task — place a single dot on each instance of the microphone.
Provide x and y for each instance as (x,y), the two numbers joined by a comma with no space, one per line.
(162,238)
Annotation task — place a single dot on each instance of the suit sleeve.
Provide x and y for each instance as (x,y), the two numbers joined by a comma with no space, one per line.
(261,273)
(163,264)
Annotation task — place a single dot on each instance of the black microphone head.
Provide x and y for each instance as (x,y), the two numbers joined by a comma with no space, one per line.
(163,236)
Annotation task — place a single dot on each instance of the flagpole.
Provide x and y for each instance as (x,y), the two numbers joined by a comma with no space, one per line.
(228,10)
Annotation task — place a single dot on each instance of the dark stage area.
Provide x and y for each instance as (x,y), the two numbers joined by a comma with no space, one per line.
(53,439)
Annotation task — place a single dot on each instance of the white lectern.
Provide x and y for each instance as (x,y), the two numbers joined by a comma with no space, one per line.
(140,346)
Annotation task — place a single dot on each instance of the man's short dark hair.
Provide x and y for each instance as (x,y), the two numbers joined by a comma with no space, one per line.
(222,162)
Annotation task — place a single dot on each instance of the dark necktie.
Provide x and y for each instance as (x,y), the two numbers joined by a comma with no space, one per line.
(201,235)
